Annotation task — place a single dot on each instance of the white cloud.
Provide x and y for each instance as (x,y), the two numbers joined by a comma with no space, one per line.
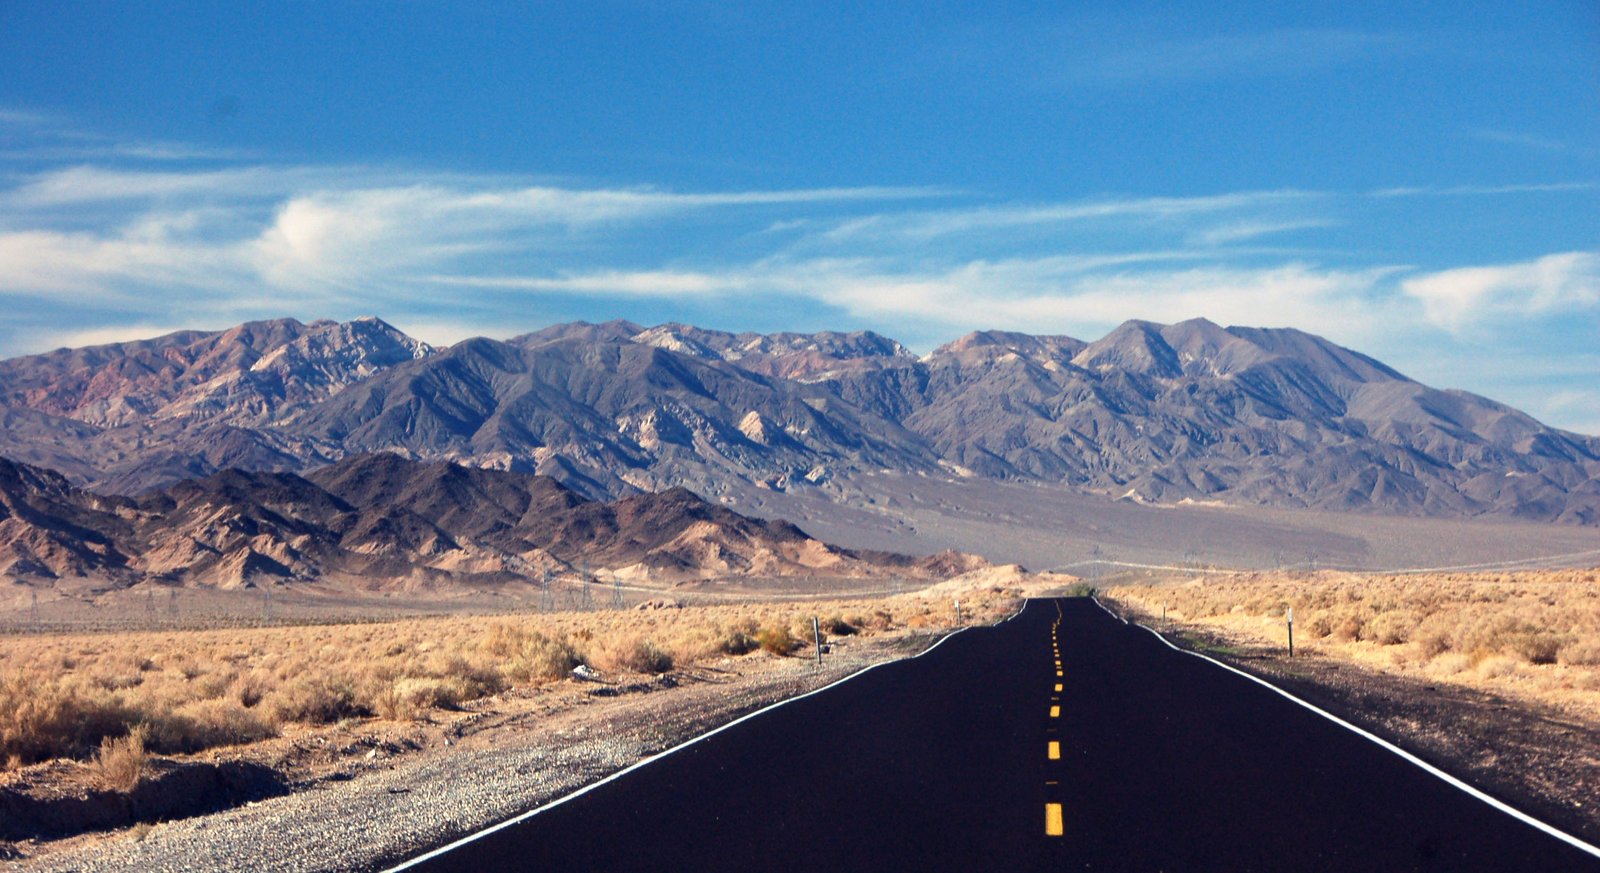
(1053,294)
(1484,190)
(1240,54)
(91,184)
(249,230)
(1460,298)
(1244,230)
(86,266)
(639,283)
(99,336)
(1534,142)
(935,223)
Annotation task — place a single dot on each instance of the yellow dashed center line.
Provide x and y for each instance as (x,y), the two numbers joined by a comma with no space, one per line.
(1054,818)
(1053,826)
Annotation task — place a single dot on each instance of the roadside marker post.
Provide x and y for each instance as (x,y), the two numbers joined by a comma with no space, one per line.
(816,632)
(958,611)
(1291,632)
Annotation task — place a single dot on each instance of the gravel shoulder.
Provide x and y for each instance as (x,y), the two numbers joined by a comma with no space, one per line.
(367,795)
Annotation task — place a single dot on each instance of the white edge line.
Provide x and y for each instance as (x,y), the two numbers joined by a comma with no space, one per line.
(1501,805)
(518,819)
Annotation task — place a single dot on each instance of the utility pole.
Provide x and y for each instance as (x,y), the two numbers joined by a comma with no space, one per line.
(34,610)
(587,603)
(547,601)
(616,592)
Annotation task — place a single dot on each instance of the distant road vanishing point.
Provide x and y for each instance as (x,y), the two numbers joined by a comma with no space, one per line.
(1062,739)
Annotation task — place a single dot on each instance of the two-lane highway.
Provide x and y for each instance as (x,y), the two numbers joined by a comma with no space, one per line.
(1060,740)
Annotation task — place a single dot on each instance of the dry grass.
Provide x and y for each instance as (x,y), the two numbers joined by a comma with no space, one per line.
(1530,634)
(64,695)
(121,762)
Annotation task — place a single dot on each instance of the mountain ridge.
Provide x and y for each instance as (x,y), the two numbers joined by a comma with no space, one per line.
(1150,412)
(379,522)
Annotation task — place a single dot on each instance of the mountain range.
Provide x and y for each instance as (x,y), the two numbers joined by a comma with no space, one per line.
(382,522)
(1158,414)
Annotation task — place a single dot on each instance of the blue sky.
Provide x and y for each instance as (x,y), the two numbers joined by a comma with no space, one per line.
(1418,181)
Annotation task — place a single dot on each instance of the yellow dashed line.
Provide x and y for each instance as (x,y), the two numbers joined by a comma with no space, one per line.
(1055,750)
(1058,686)
(1055,712)
(1053,826)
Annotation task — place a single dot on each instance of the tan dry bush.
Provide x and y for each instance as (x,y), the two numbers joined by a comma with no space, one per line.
(223,722)
(1499,667)
(635,655)
(739,638)
(538,658)
(471,680)
(41,720)
(1535,647)
(121,762)
(316,699)
(415,695)
(1580,653)
(1450,664)
(777,640)
(1392,627)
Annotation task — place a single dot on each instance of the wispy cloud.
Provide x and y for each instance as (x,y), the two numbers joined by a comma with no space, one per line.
(1460,298)
(301,229)
(119,333)
(1484,190)
(1269,52)
(947,222)
(10,117)
(1052,294)
(1529,141)
(1247,230)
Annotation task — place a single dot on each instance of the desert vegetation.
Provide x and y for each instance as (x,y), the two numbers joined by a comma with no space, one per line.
(112,699)
(1534,635)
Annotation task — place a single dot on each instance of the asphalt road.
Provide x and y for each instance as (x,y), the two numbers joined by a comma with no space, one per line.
(970,756)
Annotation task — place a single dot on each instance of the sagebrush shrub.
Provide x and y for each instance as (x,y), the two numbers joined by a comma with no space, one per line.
(121,761)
